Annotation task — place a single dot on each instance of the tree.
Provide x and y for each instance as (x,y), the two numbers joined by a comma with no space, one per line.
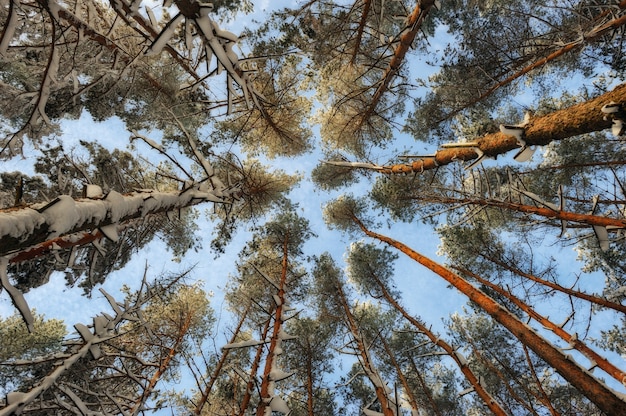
(114,364)
(344,213)
(19,345)
(213,109)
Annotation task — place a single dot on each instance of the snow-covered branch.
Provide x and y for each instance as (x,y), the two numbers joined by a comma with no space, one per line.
(26,227)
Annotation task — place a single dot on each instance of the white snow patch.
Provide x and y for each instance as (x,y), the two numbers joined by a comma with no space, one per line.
(61,215)
(279,405)
(243,344)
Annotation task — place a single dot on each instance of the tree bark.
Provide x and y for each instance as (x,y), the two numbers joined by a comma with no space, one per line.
(21,228)
(364,356)
(578,119)
(471,378)
(218,368)
(171,353)
(573,340)
(589,36)
(243,406)
(570,292)
(594,390)
(278,322)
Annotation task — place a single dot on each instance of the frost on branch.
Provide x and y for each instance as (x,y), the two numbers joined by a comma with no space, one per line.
(57,390)
(32,225)
(16,295)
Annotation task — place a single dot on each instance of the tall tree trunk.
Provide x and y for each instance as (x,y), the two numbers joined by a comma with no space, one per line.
(413,26)
(165,363)
(245,401)
(405,384)
(22,228)
(367,5)
(425,388)
(460,361)
(573,340)
(594,390)
(309,386)
(278,322)
(218,368)
(578,119)
(570,292)
(364,357)
(591,35)
(541,211)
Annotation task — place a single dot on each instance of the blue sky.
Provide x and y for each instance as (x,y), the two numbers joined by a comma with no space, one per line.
(424,294)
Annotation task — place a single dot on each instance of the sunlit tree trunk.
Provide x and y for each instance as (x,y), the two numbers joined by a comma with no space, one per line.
(460,361)
(594,390)
(276,331)
(405,384)
(573,340)
(591,35)
(250,384)
(579,119)
(568,291)
(364,356)
(61,220)
(218,367)
(163,366)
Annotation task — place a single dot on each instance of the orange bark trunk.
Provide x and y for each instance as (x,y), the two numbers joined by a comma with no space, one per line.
(413,25)
(541,211)
(255,366)
(363,354)
(577,344)
(574,293)
(592,35)
(490,401)
(594,390)
(164,365)
(579,119)
(269,361)
(218,368)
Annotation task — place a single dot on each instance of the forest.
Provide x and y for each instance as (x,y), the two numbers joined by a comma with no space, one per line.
(312,207)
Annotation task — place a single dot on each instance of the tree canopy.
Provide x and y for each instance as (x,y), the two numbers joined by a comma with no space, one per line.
(363,207)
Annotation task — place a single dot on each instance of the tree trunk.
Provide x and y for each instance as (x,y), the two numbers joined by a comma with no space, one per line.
(218,368)
(460,361)
(570,292)
(243,406)
(579,119)
(589,36)
(405,384)
(573,340)
(364,357)
(171,353)
(594,390)
(266,396)
(413,26)
(62,218)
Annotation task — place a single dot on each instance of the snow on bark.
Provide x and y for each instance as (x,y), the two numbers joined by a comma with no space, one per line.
(33,225)
(17,401)
(92,191)
(16,295)
(243,344)
(277,404)
(277,374)
(166,34)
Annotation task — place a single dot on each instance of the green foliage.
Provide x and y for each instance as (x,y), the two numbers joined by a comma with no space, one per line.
(18,344)
(341,213)
(329,177)
(369,266)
